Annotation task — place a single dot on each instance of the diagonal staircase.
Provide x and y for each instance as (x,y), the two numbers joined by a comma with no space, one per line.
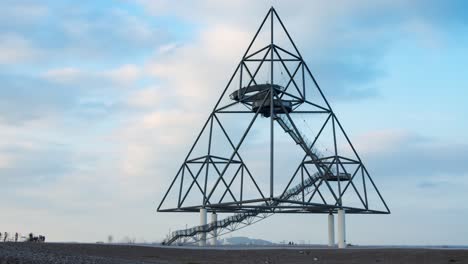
(241,220)
(302,140)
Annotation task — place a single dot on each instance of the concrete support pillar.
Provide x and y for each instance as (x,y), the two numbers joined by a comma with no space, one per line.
(214,233)
(331,230)
(341,229)
(202,241)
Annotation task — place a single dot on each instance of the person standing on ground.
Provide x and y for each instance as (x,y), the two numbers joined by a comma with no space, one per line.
(5,237)
(16,237)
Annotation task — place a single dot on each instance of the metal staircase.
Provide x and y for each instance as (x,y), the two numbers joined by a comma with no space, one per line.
(302,140)
(241,220)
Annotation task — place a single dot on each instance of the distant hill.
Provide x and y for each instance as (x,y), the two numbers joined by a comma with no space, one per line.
(245,241)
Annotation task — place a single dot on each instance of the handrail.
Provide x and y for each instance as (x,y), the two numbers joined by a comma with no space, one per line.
(306,144)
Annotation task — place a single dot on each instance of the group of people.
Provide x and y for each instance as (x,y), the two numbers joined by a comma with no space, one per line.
(33,238)
(5,237)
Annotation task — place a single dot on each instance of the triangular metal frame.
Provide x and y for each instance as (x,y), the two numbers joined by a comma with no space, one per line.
(331,170)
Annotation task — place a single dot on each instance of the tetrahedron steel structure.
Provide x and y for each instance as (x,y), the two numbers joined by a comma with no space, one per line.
(271,110)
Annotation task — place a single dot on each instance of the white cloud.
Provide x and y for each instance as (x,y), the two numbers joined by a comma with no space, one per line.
(156,7)
(63,75)
(382,141)
(167,48)
(145,98)
(5,160)
(76,29)
(197,72)
(120,76)
(134,28)
(16,49)
(141,151)
(22,13)
(425,32)
(30,11)
(124,74)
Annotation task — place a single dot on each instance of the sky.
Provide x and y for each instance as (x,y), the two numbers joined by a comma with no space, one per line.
(100,100)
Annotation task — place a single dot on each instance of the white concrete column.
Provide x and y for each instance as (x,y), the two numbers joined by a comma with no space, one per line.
(202,241)
(341,229)
(331,230)
(214,233)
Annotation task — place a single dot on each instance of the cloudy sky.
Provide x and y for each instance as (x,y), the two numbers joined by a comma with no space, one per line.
(99,101)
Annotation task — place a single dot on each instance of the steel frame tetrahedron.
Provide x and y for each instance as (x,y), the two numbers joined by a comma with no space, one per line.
(320,183)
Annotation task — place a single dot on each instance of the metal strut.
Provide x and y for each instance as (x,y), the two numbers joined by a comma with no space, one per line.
(278,103)
(242,220)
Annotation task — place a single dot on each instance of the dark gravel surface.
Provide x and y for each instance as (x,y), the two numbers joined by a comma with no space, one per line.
(100,253)
(39,253)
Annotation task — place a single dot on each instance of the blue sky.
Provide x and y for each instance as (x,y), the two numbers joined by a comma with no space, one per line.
(99,101)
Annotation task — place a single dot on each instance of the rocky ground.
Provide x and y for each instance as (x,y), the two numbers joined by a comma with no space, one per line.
(39,253)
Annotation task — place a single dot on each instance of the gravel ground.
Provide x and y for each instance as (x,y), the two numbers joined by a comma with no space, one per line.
(38,253)
(41,253)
